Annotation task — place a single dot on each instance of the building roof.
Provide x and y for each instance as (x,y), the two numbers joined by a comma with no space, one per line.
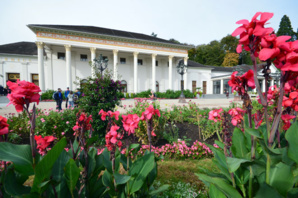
(243,67)
(21,48)
(191,63)
(105,31)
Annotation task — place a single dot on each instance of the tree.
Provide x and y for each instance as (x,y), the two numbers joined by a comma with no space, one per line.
(153,34)
(231,59)
(229,43)
(285,28)
(174,41)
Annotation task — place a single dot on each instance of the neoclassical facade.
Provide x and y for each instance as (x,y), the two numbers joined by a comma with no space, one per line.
(140,61)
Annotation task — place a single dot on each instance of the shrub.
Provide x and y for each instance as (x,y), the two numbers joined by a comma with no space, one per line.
(99,93)
(47,95)
(48,123)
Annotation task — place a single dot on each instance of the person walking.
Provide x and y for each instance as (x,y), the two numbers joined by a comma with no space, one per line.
(70,99)
(66,96)
(58,98)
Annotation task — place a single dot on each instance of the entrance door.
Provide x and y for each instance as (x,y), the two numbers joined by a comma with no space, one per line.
(204,87)
(194,86)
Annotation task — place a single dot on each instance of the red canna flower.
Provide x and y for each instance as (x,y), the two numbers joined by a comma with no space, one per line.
(113,138)
(109,113)
(272,46)
(83,122)
(43,142)
(237,115)
(240,83)
(22,92)
(287,121)
(292,101)
(254,27)
(149,112)
(3,126)
(215,115)
(130,122)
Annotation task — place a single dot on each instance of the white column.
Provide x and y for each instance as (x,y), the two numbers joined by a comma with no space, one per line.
(170,72)
(40,46)
(93,56)
(263,86)
(115,52)
(271,82)
(68,66)
(135,72)
(153,72)
(185,75)
(221,86)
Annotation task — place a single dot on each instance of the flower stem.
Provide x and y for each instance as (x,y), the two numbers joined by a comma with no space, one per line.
(279,109)
(250,183)
(268,169)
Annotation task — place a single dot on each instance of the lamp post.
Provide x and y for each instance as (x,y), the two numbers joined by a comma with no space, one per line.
(101,64)
(181,69)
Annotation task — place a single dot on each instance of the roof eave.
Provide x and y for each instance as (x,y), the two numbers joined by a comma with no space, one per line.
(174,45)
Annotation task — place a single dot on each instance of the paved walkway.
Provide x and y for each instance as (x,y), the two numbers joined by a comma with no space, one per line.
(165,103)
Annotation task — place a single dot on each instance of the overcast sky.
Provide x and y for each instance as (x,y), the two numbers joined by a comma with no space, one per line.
(190,21)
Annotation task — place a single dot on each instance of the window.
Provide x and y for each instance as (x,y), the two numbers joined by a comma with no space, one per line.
(140,62)
(122,60)
(84,57)
(13,77)
(216,87)
(227,86)
(35,79)
(156,63)
(61,55)
(123,86)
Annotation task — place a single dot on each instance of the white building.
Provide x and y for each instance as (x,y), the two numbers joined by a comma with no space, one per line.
(62,53)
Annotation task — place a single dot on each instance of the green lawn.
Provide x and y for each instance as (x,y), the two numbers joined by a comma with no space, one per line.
(174,171)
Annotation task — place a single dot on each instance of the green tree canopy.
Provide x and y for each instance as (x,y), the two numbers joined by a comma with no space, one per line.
(285,28)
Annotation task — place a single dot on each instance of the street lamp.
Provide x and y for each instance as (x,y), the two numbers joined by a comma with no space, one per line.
(101,64)
(181,69)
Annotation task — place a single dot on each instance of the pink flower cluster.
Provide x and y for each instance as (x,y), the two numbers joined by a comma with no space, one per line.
(179,150)
(237,115)
(215,115)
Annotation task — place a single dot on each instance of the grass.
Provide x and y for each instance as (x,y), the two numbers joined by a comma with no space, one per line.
(174,171)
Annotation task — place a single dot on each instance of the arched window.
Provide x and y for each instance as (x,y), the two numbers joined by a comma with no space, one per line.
(157,87)
(123,86)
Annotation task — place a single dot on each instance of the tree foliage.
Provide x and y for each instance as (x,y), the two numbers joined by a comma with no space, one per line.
(231,59)
(285,28)
(215,52)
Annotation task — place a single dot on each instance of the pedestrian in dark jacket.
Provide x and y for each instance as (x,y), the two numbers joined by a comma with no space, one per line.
(66,96)
(58,98)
